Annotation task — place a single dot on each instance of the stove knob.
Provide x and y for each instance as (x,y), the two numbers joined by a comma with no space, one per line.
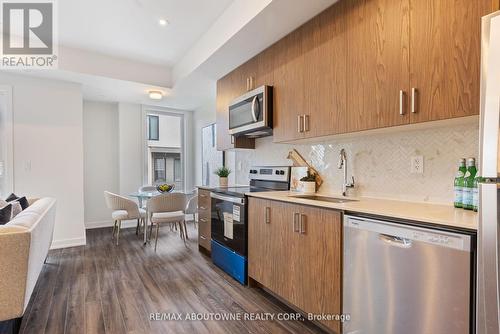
(282,172)
(277,172)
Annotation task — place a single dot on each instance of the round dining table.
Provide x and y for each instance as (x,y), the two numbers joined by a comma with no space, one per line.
(144,196)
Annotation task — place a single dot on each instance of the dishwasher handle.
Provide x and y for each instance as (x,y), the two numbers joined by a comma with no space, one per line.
(395,241)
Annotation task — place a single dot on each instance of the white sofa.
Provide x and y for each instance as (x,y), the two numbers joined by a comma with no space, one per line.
(24,245)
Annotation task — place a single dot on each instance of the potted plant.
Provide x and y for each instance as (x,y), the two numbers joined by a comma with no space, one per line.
(223,172)
(308,183)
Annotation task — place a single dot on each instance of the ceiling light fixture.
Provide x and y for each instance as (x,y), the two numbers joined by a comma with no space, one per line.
(155,95)
(162,22)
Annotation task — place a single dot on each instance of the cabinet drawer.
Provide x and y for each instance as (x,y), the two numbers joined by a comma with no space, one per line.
(204,241)
(204,200)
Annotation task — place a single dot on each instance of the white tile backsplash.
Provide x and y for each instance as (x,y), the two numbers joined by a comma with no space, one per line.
(380,163)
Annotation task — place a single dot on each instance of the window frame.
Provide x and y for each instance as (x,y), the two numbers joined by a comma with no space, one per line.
(157,117)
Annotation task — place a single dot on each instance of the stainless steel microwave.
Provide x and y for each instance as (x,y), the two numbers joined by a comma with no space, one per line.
(251,114)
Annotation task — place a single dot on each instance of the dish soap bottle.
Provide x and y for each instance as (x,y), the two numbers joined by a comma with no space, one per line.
(469,177)
(459,183)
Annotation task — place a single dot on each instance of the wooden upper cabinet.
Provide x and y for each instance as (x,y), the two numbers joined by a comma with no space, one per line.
(228,88)
(377,63)
(288,87)
(445,57)
(325,72)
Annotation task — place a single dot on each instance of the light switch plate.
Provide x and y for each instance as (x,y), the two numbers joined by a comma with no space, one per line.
(417,164)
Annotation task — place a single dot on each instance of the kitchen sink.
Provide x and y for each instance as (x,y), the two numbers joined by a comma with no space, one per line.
(325,198)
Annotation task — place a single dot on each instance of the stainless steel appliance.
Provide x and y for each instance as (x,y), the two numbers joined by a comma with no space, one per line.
(488,298)
(405,279)
(251,114)
(229,219)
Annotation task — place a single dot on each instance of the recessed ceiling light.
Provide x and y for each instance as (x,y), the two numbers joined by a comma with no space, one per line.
(155,95)
(162,22)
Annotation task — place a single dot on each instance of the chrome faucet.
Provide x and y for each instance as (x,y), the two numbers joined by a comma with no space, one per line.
(343,165)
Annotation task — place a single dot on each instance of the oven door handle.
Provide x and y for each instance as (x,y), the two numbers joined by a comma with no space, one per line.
(236,200)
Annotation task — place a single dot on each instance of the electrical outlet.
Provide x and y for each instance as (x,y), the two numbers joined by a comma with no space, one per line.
(417,165)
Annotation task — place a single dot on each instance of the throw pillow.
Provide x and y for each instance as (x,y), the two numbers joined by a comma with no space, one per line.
(16,208)
(3,203)
(22,200)
(5,214)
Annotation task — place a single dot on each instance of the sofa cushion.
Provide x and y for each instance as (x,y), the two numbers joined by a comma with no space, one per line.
(5,214)
(3,203)
(22,200)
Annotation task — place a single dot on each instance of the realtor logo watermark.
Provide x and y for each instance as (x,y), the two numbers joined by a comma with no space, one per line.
(29,38)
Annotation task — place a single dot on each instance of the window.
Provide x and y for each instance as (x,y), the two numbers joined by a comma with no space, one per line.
(153,127)
(177,170)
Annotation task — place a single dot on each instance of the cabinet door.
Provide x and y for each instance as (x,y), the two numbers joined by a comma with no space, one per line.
(288,87)
(445,57)
(228,88)
(378,63)
(259,241)
(265,68)
(325,72)
(320,274)
(272,247)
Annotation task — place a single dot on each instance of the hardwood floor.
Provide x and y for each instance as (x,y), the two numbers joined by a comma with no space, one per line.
(103,288)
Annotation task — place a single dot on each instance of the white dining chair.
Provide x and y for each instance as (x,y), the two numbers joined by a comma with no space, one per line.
(168,209)
(192,208)
(123,209)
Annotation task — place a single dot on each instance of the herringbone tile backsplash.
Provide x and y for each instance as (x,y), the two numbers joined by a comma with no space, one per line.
(380,163)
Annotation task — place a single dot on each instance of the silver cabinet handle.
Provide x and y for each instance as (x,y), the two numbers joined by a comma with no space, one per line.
(202,208)
(401,102)
(202,237)
(306,123)
(414,93)
(268,215)
(203,220)
(296,217)
(248,84)
(300,123)
(303,222)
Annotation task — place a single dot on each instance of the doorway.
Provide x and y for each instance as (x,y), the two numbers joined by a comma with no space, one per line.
(164,148)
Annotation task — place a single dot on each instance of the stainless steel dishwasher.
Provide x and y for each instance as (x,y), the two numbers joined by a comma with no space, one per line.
(402,279)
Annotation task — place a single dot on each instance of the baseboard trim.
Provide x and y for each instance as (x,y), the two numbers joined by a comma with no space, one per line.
(109,223)
(65,243)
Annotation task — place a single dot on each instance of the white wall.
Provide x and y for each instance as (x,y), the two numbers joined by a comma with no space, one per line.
(131,141)
(101,159)
(203,116)
(169,132)
(48,149)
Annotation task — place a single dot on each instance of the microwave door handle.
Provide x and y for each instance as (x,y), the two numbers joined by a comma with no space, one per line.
(253,109)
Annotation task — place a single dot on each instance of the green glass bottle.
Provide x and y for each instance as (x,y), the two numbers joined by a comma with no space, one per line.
(475,193)
(468,192)
(459,183)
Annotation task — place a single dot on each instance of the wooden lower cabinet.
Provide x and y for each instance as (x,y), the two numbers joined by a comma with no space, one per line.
(204,219)
(295,251)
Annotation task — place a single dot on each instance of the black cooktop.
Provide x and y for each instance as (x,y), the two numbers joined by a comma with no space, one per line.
(240,191)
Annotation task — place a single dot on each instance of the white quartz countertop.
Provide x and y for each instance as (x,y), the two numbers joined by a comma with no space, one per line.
(437,214)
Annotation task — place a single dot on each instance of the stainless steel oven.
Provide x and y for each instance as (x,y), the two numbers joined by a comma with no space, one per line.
(228,222)
(251,114)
